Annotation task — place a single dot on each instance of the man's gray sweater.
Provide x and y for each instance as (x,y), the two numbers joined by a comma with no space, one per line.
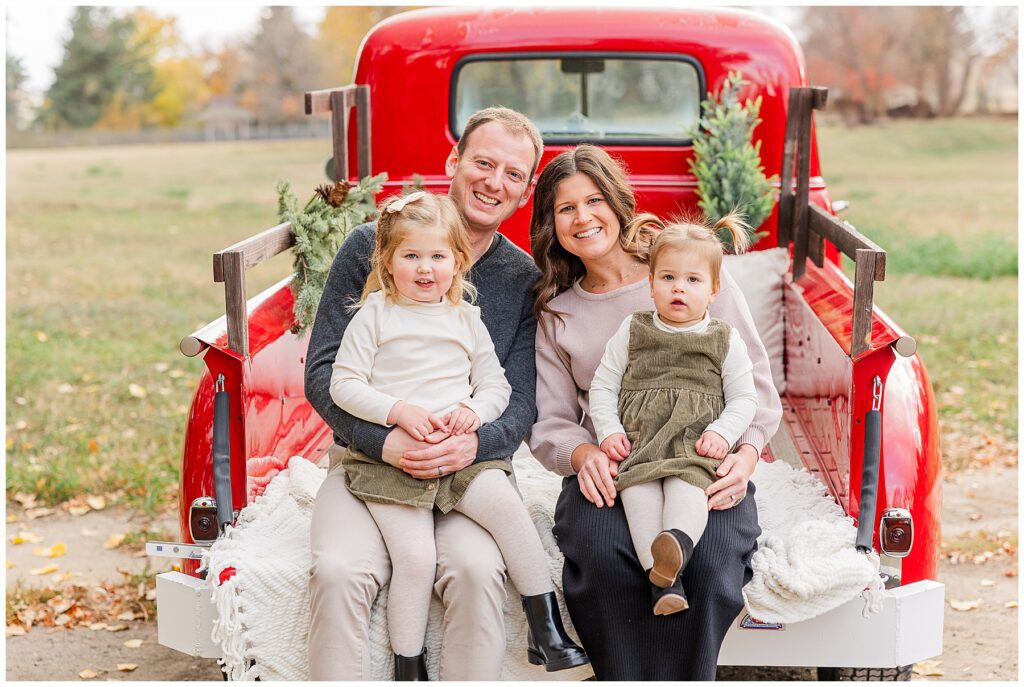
(504,277)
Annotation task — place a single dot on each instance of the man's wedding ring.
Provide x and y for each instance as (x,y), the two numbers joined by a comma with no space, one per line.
(440,471)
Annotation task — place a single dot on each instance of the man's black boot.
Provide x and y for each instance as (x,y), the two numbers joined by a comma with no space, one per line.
(547,642)
(411,668)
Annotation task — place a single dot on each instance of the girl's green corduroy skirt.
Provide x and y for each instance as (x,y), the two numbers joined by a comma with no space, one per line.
(377,482)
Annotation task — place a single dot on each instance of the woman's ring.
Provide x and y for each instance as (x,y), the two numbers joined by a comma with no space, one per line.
(732,498)
(440,471)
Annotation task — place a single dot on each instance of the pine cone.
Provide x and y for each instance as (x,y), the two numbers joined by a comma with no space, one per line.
(334,195)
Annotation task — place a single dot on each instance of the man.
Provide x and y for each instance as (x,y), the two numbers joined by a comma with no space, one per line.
(491,171)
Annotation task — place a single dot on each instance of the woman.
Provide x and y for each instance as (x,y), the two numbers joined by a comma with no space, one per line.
(589,248)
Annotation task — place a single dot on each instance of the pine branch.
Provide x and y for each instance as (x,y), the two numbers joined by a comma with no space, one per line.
(320,228)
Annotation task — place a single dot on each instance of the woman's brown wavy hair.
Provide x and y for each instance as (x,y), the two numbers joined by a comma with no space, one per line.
(559,268)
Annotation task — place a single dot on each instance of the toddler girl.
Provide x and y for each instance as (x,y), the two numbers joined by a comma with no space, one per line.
(415,355)
(672,394)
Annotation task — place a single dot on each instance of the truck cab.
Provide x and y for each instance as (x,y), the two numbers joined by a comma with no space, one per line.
(631,81)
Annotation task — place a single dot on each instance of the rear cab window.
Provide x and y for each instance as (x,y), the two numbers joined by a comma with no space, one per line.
(606,98)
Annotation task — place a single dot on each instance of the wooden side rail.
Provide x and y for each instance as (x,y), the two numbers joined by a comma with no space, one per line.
(230,265)
(807,226)
(339,101)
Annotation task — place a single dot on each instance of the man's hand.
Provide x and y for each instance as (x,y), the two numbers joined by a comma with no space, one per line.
(616,446)
(594,472)
(417,421)
(460,421)
(712,445)
(450,455)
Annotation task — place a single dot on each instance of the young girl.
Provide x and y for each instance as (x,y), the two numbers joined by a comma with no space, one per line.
(417,356)
(673,393)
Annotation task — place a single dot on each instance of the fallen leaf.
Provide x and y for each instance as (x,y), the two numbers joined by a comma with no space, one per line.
(86,532)
(161,367)
(59,604)
(974,516)
(133,643)
(94,446)
(58,549)
(78,510)
(117,628)
(46,570)
(136,390)
(62,577)
(928,669)
(65,388)
(1010,573)
(41,337)
(97,626)
(24,537)
(10,565)
(62,619)
(21,400)
(127,667)
(176,374)
(964,605)
(96,502)
(114,540)
(1010,604)
(15,631)
(987,583)
(26,500)
(87,674)
(12,518)
(127,615)
(38,513)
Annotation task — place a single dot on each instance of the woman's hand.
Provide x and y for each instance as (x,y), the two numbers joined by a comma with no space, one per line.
(733,473)
(594,471)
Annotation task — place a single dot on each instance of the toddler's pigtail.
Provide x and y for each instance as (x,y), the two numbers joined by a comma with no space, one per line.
(640,234)
(737,228)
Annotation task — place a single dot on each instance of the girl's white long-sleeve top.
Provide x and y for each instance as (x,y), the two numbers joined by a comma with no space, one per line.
(437,356)
(737,383)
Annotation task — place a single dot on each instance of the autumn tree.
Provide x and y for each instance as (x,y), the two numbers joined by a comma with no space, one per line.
(932,52)
(100,63)
(338,36)
(280,67)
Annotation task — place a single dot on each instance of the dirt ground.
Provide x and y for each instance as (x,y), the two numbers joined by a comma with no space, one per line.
(979,644)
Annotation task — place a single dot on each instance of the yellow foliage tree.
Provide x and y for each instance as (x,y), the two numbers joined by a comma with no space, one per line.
(339,35)
(178,86)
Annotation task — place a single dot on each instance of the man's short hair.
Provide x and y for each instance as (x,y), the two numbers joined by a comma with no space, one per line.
(514,122)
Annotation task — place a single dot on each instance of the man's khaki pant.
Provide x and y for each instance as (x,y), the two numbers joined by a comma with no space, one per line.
(350,564)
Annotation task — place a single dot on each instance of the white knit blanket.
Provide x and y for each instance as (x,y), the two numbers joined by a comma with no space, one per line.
(805,566)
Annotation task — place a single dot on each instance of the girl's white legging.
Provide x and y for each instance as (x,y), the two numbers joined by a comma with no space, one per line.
(664,504)
(408,532)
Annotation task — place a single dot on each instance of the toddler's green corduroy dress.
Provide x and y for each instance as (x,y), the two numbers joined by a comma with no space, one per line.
(671,391)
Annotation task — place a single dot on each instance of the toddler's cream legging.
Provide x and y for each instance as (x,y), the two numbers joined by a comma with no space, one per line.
(408,532)
(664,504)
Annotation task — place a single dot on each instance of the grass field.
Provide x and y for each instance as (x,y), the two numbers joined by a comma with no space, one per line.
(108,266)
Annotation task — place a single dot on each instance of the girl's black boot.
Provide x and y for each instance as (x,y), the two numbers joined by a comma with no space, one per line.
(411,668)
(547,642)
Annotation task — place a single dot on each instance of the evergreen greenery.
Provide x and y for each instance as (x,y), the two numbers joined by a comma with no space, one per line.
(320,227)
(726,161)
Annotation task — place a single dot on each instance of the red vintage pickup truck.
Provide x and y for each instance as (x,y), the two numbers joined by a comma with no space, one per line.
(631,81)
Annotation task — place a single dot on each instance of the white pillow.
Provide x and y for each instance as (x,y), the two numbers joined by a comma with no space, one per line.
(760,274)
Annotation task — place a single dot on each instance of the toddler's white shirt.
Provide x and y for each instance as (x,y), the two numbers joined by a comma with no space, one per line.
(435,355)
